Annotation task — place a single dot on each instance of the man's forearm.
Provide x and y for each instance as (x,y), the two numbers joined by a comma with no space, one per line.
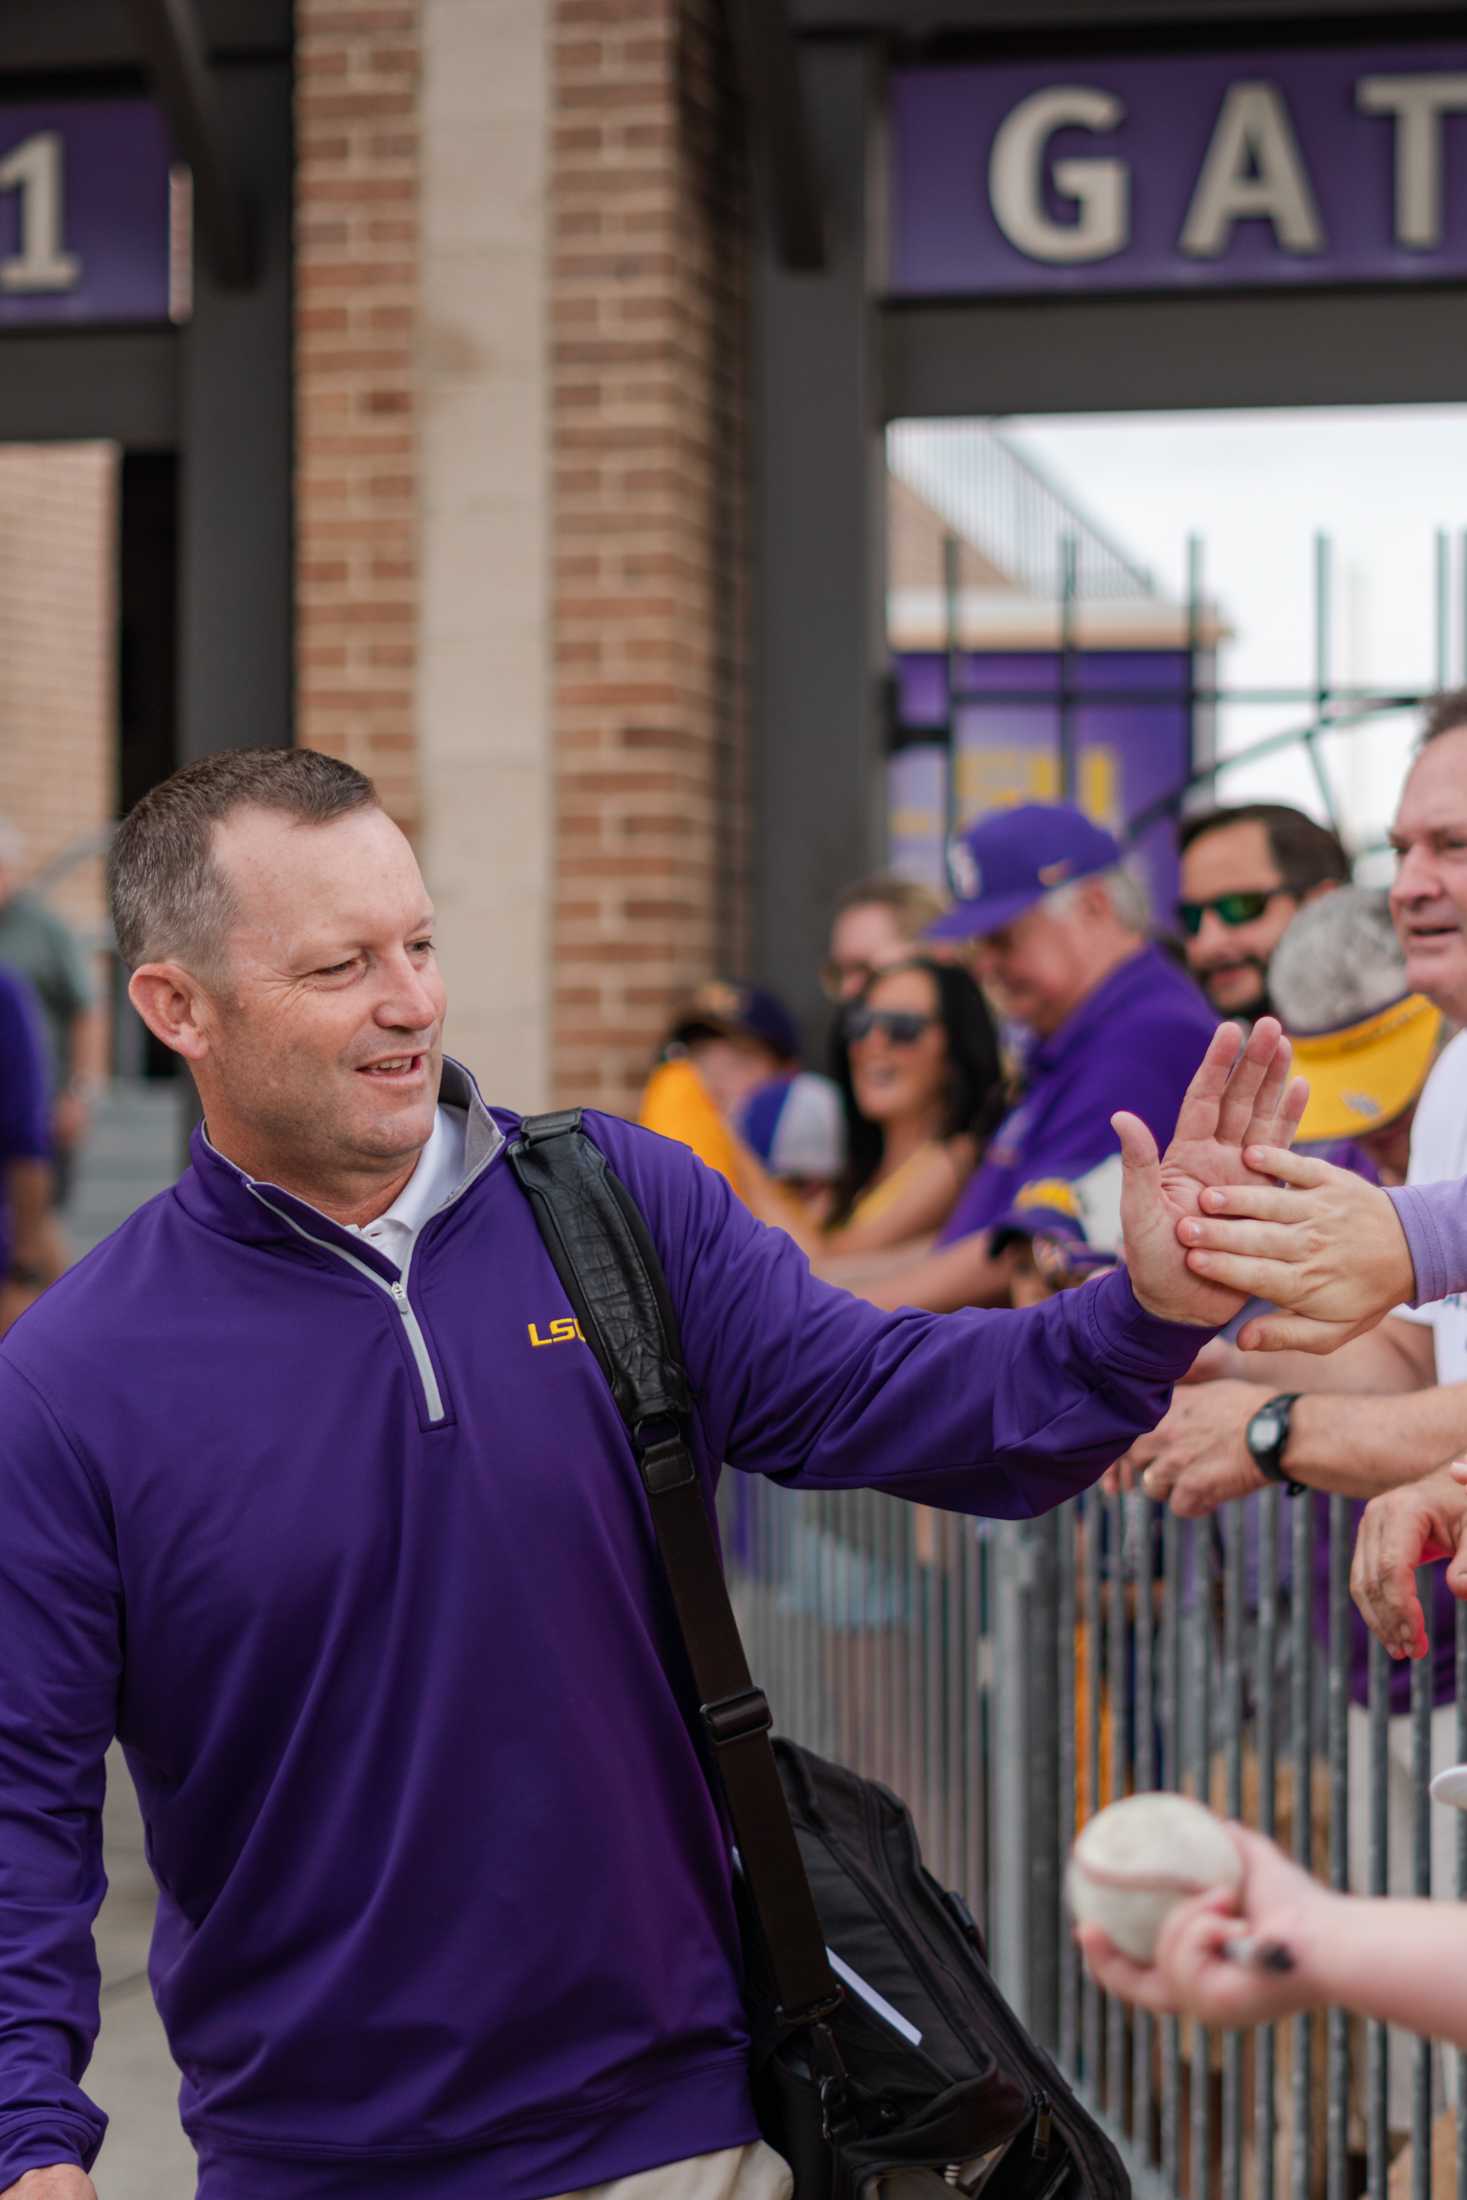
(1402,1963)
(1357,1446)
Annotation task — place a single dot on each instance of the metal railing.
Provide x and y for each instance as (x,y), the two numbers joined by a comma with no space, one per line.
(1009,1678)
(998,499)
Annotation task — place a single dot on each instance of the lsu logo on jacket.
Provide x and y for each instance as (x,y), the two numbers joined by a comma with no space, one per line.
(565,1329)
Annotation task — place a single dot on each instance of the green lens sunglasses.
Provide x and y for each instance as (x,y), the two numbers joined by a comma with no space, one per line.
(1230,908)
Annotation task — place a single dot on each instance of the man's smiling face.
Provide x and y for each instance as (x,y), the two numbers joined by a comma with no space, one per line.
(1429,897)
(325,1040)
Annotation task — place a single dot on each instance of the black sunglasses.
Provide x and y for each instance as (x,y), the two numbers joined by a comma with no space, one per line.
(903,1027)
(1230,908)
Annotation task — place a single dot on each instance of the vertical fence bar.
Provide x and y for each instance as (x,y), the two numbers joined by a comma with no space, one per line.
(1460,1883)
(1265,2055)
(1422,2054)
(980,1686)
(1322,607)
(1069,589)
(1069,2000)
(1377,1878)
(1203,1590)
(1171,1777)
(1117,1584)
(1094,1531)
(1443,622)
(1234,1522)
(1142,1536)
(951,584)
(1337,1742)
(1301,1617)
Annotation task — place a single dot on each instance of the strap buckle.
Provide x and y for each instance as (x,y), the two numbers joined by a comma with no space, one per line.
(666,1465)
(735,1718)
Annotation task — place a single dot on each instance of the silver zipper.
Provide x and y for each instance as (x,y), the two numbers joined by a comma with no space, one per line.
(397,1292)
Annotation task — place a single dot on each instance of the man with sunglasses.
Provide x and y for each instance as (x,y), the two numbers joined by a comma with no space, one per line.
(1245,874)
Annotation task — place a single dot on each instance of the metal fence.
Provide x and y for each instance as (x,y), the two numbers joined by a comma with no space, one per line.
(1009,1678)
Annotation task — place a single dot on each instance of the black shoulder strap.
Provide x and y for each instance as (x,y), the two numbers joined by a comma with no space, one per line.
(597,1238)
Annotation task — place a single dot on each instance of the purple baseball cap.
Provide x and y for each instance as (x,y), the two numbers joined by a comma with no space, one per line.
(1008,859)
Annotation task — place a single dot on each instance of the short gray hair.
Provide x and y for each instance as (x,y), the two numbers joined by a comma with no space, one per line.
(1126,890)
(169,898)
(1338,963)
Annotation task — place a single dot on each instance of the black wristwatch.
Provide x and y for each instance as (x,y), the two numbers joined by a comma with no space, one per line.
(1267,1438)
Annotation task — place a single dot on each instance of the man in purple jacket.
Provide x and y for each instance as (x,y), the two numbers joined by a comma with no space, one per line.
(1060,943)
(313,1497)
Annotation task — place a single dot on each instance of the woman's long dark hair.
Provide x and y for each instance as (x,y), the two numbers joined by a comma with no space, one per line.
(975,1095)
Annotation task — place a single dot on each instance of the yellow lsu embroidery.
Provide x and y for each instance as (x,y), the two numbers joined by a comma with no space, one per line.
(564,1330)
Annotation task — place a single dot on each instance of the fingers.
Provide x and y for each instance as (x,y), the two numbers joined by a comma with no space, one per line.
(1253,1074)
(1267,1115)
(1198,1115)
(1383,1580)
(1297,1332)
(1138,1147)
(1305,1170)
(1291,1114)
(1255,1201)
(1115,1973)
(1261,1240)
(1251,1274)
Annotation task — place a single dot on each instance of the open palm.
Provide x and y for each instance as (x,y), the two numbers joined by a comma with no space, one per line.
(1241,1096)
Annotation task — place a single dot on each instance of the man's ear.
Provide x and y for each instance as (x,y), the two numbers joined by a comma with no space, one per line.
(174,1006)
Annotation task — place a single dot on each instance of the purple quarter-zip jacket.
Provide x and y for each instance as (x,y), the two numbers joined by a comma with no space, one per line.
(359,1568)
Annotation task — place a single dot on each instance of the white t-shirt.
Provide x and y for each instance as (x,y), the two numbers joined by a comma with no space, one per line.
(1438,1154)
(435,1179)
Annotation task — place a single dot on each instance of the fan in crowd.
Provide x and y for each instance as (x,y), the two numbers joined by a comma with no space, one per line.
(1246,873)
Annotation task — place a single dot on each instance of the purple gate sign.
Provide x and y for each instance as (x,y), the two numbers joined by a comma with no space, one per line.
(1219,171)
(84,227)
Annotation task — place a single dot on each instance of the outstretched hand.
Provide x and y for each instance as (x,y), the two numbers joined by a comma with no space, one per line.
(1327,1247)
(1241,1096)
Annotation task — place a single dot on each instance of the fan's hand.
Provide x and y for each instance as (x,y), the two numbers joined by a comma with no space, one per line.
(1241,1096)
(1326,1247)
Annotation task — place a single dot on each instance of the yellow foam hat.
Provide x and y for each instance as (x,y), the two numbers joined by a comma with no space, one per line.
(677,1104)
(1364,1075)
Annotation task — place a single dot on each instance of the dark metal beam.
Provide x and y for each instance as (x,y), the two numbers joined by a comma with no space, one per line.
(42,37)
(1160,354)
(175,57)
(68,386)
(921,20)
(778,130)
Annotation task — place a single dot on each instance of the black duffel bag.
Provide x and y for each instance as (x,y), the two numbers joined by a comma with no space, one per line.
(884,2058)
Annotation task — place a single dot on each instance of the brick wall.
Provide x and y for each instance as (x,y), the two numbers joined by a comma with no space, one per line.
(58,655)
(357,171)
(649,291)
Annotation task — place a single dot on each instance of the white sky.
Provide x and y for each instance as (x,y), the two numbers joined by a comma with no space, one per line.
(1257,486)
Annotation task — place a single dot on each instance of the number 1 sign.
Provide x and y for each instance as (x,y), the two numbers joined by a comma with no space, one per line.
(84,228)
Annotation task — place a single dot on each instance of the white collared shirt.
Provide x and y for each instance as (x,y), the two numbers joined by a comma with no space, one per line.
(437,1176)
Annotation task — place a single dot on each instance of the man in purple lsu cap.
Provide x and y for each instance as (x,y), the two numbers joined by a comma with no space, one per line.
(1060,943)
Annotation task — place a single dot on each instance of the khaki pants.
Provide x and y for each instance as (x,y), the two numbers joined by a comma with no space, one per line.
(737,2173)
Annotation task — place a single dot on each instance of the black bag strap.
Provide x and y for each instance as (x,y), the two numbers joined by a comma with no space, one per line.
(602,1252)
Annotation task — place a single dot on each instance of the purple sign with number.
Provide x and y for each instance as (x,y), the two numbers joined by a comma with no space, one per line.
(84,213)
(1220,171)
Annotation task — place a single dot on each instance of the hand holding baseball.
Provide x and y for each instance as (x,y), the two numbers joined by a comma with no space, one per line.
(1230,1956)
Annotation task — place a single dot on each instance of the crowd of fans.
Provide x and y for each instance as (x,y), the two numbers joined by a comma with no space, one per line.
(977,1056)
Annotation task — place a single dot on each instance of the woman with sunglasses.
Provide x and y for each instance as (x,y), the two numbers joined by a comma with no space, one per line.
(922,1076)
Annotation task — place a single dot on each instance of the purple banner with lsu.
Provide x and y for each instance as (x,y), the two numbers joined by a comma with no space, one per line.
(1214,171)
(1132,753)
(84,213)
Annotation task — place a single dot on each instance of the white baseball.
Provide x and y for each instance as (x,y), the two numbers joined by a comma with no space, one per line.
(1134,1862)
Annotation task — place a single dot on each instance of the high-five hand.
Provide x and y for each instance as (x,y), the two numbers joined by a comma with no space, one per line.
(1241,1096)
(1317,1240)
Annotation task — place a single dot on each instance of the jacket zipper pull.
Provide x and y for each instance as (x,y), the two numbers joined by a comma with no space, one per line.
(399,1296)
(1043,2129)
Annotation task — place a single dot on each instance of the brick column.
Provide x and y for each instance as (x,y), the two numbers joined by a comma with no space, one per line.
(648,316)
(356,387)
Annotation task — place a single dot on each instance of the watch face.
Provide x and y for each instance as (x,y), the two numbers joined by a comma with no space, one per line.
(1265,1429)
